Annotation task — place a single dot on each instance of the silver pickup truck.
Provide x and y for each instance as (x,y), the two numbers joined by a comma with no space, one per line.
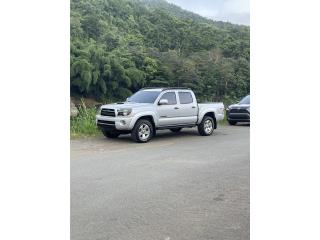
(152,109)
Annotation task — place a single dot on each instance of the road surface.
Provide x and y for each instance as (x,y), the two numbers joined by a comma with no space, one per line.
(179,186)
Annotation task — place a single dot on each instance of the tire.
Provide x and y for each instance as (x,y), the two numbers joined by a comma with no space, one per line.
(175,129)
(232,122)
(206,127)
(142,131)
(110,134)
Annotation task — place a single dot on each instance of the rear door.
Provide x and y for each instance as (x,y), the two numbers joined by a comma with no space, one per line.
(188,108)
(169,113)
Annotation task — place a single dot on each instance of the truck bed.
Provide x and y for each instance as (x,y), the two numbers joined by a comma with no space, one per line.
(217,107)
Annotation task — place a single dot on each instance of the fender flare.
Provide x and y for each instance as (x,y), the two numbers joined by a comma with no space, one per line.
(144,114)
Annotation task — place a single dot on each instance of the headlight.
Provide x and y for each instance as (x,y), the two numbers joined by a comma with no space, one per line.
(248,109)
(124,111)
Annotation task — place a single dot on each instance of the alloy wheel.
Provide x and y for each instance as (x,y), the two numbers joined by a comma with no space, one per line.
(144,132)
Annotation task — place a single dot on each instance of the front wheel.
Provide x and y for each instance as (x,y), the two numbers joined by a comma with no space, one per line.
(205,128)
(142,131)
(110,134)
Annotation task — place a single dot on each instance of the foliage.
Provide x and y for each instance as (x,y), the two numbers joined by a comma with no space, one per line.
(84,123)
(120,46)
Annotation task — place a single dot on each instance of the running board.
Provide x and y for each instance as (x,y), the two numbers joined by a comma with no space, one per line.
(176,126)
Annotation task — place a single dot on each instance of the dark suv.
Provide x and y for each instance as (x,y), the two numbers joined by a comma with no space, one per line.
(239,112)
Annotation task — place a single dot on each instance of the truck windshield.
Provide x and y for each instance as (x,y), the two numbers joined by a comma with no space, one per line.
(144,97)
(245,100)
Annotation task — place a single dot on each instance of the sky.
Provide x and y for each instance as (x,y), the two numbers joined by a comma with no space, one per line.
(234,11)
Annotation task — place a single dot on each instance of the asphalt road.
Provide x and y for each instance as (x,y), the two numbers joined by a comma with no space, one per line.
(178,186)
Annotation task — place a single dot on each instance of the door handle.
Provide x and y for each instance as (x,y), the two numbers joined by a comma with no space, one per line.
(193,107)
(176,108)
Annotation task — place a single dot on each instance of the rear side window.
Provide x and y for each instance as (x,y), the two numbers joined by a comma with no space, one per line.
(185,97)
(171,97)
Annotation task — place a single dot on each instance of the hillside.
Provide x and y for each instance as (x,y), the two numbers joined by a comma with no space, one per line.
(119,46)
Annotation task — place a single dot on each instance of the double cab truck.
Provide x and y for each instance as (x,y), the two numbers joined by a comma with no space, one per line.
(152,109)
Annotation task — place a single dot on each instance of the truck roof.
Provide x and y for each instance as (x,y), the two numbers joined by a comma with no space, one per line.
(166,88)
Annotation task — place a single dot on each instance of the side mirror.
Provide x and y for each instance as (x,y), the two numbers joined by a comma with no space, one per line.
(163,102)
(127,100)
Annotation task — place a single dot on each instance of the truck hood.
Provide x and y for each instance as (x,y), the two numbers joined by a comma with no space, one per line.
(239,106)
(126,105)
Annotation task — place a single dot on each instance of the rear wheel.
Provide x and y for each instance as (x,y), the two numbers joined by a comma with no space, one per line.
(142,131)
(175,129)
(205,128)
(232,122)
(110,134)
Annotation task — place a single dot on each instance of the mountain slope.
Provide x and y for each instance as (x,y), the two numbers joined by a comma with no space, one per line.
(119,46)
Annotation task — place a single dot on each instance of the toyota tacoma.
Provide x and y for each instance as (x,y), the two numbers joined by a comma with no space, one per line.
(152,109)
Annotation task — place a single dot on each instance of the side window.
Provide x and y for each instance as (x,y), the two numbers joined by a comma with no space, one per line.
(171,97)
(185,97)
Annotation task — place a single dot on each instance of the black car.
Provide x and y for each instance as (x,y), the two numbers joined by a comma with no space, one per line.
(239,112)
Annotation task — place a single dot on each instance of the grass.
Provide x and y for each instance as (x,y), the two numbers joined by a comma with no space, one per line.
(224,121)
(84,125)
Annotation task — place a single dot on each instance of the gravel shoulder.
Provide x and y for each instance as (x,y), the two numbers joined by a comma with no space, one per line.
(177,186)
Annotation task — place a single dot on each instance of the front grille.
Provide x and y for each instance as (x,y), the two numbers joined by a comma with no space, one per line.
(108,112)
(240,116)
(241,110)
(106,122)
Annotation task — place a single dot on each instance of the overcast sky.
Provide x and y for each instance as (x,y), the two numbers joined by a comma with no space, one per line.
(234,11)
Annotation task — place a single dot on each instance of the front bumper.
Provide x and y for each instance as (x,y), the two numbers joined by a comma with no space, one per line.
(114,123)
(238,117)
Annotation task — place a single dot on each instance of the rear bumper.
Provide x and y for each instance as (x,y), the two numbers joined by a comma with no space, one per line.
(113,123)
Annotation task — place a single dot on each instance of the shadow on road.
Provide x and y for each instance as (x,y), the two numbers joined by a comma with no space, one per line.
(243,124)
(161,135)
(164,135)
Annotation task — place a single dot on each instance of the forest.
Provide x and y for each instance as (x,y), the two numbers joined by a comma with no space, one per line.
(120,46)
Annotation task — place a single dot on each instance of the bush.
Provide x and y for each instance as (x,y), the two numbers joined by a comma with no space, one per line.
(84,123)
